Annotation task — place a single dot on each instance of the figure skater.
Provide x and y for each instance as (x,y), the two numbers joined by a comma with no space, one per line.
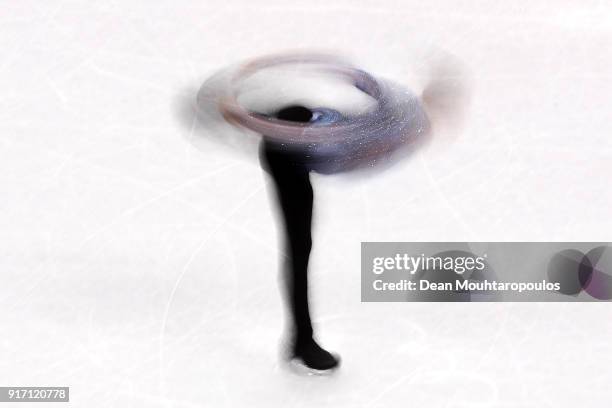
(297,140)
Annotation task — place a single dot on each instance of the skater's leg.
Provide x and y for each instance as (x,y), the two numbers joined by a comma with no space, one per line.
(295,196)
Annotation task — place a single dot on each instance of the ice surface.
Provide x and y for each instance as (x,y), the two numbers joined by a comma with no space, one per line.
(141,271)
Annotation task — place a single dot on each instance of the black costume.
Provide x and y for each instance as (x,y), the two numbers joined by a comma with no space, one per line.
(295,195)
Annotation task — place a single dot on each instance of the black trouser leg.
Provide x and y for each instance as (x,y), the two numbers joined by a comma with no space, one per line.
(295,195)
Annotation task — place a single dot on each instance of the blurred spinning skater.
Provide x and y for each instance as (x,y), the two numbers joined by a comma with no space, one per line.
(297,140)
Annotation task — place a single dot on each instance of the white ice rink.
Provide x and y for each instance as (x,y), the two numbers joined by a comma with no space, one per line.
(141,271)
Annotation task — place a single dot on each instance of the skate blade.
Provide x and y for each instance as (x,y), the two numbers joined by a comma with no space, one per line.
(297,366)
